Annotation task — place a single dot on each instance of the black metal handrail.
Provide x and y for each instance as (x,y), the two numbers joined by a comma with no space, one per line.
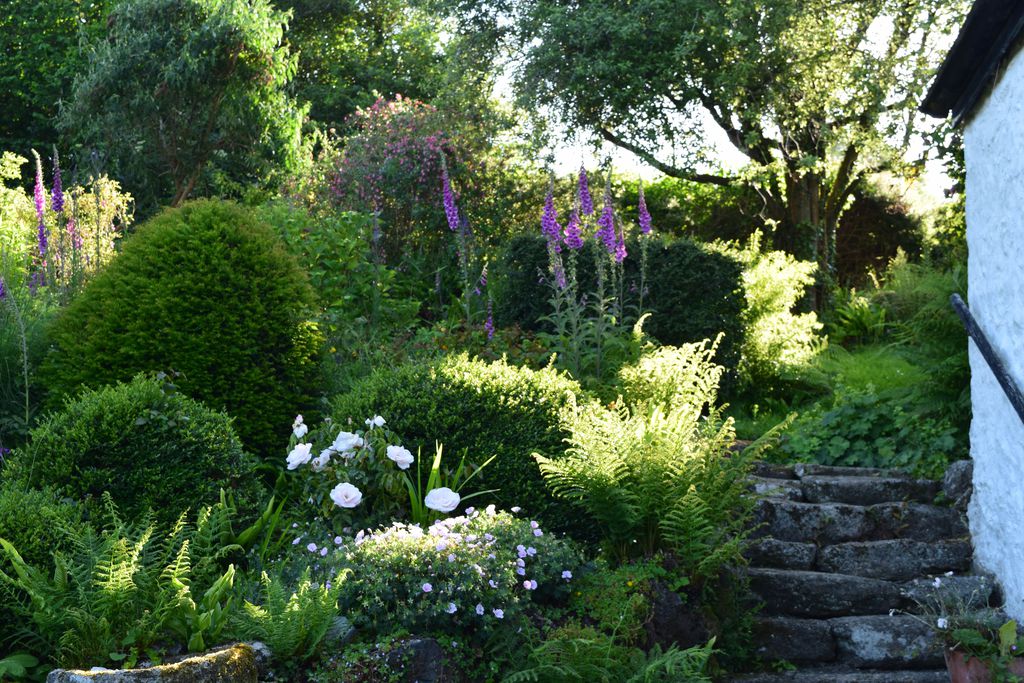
(995,363)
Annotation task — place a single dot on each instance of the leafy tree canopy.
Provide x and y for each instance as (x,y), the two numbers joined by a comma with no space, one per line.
(815,93)
(188,96)
(40,53)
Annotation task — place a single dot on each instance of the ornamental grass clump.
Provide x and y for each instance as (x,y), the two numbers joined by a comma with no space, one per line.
(463,575)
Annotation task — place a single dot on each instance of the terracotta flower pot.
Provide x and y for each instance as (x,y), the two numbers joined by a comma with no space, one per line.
(973,670)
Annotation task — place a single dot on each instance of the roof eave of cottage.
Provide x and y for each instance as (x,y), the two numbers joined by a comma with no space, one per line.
(988,35)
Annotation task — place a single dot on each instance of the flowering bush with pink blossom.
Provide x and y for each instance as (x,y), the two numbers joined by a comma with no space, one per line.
(469,574)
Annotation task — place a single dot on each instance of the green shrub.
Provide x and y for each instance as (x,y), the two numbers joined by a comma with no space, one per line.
(776,338)
(867,428)
(36,520)
(148,446)
(484,409)
(694,292)
(206,291)
(465,575)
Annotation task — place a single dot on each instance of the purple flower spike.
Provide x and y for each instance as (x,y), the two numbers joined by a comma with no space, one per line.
(620,246)
(40,195)
(58,190)
(3,290)
(489,323)
(450,210)
(645,216)
(573,232)
(43,240)
(586,203)
(549,223)
(606,231)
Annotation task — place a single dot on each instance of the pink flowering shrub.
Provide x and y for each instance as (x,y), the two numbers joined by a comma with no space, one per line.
(392,164)
(468,574)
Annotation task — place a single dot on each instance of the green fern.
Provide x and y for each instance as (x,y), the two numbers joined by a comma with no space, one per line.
(658,473)
(113,594)
(291,623)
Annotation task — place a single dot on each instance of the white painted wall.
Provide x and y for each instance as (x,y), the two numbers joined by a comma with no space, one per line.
(994,144)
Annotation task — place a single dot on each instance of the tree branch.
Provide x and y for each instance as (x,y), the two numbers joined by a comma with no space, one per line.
(667,169)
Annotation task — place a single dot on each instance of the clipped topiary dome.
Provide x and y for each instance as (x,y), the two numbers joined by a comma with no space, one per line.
(150,447)
(206,292)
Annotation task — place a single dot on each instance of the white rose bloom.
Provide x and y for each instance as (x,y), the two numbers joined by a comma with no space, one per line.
(322,461)
(442,499)
(400,456)
(346,441)
(300,430)
(375,421)
(346,495)
(300,455)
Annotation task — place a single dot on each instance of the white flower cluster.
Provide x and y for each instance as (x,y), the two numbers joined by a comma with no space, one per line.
(345,445)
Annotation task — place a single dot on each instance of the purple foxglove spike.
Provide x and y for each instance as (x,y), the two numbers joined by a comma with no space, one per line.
(645,216)
(620,246)
(489,323)
(450,210)
(3,290)
(574,232)
(40,195)
(57,201)
(586,202)
(549,223)
(606,223)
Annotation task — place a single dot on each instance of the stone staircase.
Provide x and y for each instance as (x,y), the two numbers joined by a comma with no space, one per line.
(836,551)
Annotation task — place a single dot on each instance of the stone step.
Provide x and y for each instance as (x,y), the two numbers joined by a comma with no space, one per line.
(886,642)
(808,469)
(830,523)
(821,595)
(861,490)
(775,554)
(846,675)
(766,487)
(895,560)
(794,640)
(863,642)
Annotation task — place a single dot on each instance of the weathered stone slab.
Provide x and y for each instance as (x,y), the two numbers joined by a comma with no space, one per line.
(846,675)
(886,642)
(418,660)
(790,489)
(771,470)
(958,483)
(974,592)
(807,469)
(895,560)
(811,522)
(239,663)
(771,552)
(917,522)
(794,640)
(862,490)
(820,595)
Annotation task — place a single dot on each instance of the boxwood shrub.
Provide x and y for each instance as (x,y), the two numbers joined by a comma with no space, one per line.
(147,445)
(483,409)
(208,292)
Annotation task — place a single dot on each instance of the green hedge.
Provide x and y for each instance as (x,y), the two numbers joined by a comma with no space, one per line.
(209,292)
(483,408)
(146,445)
(693,292)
